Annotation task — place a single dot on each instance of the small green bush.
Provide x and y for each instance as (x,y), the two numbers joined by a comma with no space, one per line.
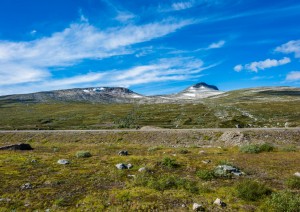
(83,154)
(289,149)
(251,190)
(154,148)
(183,151)
(170,163)
(293,182)
(284,201)
(166,182)
(257,148)
(205,174)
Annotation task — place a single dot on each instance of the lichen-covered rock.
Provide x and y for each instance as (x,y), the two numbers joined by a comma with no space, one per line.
(226,171)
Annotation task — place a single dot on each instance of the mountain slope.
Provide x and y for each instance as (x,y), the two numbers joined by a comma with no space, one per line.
(114,95)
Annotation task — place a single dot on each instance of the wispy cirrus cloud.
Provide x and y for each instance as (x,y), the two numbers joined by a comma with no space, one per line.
(30,61)
(291,47)
(183,5)
(293,76)
(166,69)
(217,45)
(261,65)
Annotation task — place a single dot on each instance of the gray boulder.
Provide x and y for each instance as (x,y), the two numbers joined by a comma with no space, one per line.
(226,171)
(26,186)
(20,146)
(220,203)
(63,161)
(123,153)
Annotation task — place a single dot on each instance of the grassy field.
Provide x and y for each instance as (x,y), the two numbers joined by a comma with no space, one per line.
(176,176)
(209,114)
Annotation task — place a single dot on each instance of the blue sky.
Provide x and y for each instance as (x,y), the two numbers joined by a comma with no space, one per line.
(149,46)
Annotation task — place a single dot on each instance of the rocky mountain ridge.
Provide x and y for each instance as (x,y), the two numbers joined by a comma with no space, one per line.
(196,93)
(114,95)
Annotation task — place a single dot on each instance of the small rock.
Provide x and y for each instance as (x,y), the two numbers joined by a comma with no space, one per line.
(143,169)
(47,210)
(129,166)
(225,170)
(131,175)
(63,161)
(121,166)
(26,186)
(286,125)
(201,152)
(123,153)
(33,161)
(27,205)
(206,161)
(183,205)
(297,174)
(220,203)
(197,207)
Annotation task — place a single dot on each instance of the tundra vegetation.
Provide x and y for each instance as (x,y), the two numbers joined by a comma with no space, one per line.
(175,176)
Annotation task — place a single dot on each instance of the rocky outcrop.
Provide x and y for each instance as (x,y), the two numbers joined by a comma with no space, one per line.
(21,146)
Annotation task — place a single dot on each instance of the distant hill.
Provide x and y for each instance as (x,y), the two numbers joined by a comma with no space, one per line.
(198,106)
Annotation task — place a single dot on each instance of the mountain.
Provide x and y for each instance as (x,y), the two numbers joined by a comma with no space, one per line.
(115,95)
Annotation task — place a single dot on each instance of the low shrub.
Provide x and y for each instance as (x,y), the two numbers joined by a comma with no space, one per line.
(154,148)
(205,175)
(251,190)
(83,154)
(183,151)
(257,148)
(166,182)
(289,149)
(170,163)
(284,201)
(293,182)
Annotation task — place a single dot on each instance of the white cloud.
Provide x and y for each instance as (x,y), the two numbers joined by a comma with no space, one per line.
(166,69)
(72,45)
(124,16)
(261,65)
(238,68)
(293,76)
(183,5)
(290,47)
(217,45)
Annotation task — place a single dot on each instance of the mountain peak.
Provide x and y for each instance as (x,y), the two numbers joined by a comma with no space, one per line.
(204,85)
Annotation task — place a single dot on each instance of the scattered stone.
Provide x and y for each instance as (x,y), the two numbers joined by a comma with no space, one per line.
(34,161)
(26,186)
(226,170)
(26,205)
(63,161)
(206,161)
(142,169)
(286,125)
(123,153)
(197,207)
(297,174)
(220,203)
(183,205)
(201,152)
(131,175)
(21,146)
(121,166)
(124,166)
